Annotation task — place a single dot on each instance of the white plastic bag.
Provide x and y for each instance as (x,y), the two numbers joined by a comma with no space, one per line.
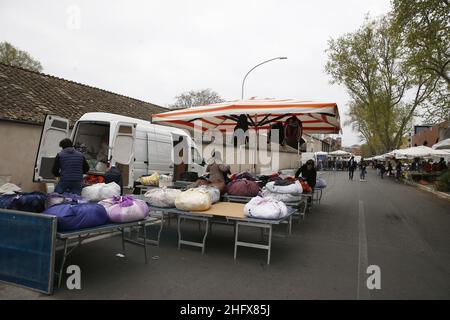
(295,188)
(109,190)
(285,197)
(193,200)
(263,208)
(162,197)
(213,192)
(100,191)
(92,193)
(165,180)
(9,188)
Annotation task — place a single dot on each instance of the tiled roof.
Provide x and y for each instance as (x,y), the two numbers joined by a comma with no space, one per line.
(27,96)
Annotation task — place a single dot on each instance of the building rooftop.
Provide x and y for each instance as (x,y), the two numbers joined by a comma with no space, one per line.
(28,96)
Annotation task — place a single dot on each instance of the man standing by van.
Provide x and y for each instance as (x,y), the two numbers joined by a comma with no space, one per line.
(69,165)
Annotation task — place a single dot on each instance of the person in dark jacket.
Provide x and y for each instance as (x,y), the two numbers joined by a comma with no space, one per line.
(398,170)
(382,169)
(442,166)
(363,170)
(113,174)
(309,172)
(69,165)
(351,167)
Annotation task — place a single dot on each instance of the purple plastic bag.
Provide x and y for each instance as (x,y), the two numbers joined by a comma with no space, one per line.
(74,217)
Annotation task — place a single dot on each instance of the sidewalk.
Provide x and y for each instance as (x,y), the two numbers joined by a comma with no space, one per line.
(443,195)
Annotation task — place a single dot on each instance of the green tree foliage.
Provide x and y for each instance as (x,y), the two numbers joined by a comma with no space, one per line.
(385,95)
(15,57)
(196,98)
(424,26)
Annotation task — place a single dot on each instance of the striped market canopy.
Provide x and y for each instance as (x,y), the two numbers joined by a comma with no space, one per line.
(316,117)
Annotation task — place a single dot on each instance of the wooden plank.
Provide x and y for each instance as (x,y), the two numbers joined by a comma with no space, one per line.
(226,209)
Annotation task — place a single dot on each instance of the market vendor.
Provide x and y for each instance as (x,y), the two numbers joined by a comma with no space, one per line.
(309,172)
(218,171)
(442,166)
(69,165)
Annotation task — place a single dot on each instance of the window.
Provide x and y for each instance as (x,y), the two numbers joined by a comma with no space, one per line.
(196,158)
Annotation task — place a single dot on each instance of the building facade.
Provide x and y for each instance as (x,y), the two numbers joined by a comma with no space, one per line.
(425,135)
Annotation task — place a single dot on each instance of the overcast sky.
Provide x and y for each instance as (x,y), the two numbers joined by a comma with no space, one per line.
(155,50)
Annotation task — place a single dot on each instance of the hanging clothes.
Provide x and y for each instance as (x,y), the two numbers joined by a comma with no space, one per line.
(242,124)
(293,131)
(273,127)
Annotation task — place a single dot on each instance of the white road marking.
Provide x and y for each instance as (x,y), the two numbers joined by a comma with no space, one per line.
(363,261)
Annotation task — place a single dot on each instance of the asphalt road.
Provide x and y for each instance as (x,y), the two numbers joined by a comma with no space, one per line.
(402,230)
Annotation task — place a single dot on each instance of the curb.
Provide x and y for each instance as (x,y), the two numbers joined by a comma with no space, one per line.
(439,194)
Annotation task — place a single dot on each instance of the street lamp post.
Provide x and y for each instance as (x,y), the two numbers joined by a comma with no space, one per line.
(242,97)
(243,81)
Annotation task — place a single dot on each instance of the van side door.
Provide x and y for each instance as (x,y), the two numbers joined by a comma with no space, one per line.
(122,151)
(54,130)
(160,152)
(196,162)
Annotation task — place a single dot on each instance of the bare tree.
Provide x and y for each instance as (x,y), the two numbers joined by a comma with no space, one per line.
(196,98)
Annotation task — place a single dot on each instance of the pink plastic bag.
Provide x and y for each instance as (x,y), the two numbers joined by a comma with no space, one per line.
(125,209)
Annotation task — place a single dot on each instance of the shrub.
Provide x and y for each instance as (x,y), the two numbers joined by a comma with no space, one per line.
(443,182)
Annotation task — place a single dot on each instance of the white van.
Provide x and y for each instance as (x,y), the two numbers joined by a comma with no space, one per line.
(137,146)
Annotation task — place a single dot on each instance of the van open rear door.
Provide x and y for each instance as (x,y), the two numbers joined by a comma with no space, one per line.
(123,149)
(55,129)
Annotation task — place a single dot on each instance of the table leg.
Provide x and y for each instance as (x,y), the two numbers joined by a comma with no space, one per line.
(270,244)
(236,233)
(179,232)
(61,269)
(145,242)
(206,234)
(122,230)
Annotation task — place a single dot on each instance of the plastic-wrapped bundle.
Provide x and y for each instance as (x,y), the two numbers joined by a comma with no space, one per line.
(165,180)
(263,208)
(125,209)
(30,202)
(73,217)
(57,198)
(109,190)
(6,200)
(321,183)
(152,180)
(162,197)
(101,191)
(295,188)
(285,197)
(9,188)
(193,200)
(244,188)
(213,192)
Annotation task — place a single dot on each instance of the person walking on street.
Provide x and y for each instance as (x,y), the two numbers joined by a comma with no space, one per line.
(389,170)
(382,170)
(398,170)
(363,167)
(69,165)
(351,167)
